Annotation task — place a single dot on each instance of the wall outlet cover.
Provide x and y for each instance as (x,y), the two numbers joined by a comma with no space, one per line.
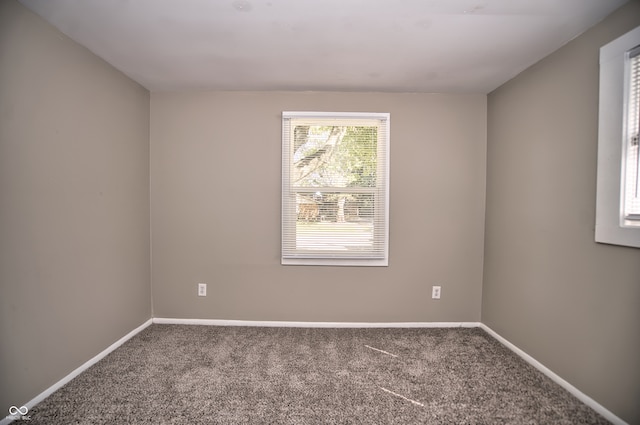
(435,292)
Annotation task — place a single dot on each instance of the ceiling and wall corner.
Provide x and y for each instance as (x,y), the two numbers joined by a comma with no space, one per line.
(436,46)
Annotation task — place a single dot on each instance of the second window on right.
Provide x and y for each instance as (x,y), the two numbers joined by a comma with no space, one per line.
(631,154)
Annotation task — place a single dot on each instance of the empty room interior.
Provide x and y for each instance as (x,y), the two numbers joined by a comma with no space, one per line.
(141,154)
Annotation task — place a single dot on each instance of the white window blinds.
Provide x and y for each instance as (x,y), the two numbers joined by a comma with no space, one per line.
(631,158)
(335,175)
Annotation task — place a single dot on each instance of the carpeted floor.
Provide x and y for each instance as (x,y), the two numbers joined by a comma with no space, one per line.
(175,374)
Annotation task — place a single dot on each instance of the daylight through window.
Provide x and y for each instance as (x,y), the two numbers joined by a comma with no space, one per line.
(631,156)
(335,188)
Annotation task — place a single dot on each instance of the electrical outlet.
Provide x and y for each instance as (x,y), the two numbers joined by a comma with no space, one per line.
(202,289)
(435,292)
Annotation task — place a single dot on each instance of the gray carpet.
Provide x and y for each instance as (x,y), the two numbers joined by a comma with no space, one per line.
(174,374)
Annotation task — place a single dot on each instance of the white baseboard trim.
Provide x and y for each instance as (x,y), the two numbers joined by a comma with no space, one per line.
(46,393)
(607,414)
(288,324)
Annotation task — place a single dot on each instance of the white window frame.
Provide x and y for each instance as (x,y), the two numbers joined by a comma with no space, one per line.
(611,225)
(289,215)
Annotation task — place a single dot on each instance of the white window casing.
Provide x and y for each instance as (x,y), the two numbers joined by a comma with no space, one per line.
(618,194)
(335,188)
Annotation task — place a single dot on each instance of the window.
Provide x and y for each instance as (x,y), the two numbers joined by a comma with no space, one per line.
(631,162)
(335,188)
(618,191)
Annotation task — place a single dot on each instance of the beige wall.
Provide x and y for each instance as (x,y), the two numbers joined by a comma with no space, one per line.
(215,202)
(74,205)
(548,287)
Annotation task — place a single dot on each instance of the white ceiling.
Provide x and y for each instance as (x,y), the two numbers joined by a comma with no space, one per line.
(346,45)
